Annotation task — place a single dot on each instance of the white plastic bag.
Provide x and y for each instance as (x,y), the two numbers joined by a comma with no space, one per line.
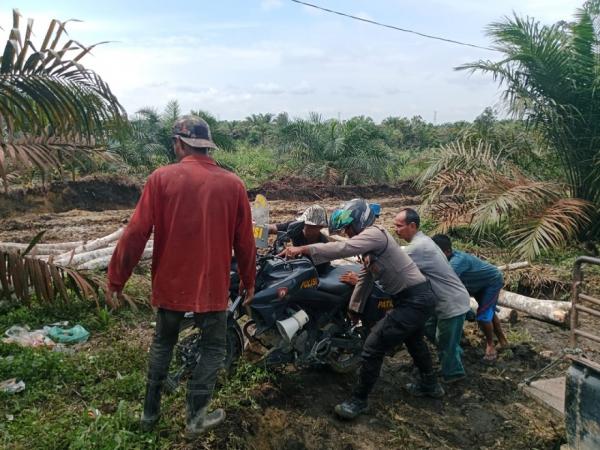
(24,337)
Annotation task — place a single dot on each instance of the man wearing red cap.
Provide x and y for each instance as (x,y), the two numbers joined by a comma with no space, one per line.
(198,213)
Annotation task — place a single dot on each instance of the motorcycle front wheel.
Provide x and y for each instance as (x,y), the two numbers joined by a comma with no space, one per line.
(346,360)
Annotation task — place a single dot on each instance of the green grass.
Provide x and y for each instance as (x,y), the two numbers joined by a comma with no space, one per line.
(92,399)
(518,336)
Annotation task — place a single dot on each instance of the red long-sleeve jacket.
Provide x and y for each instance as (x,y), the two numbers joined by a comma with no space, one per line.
(198,212)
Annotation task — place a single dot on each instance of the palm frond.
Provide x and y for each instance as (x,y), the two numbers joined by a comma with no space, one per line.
(490,195)
(551,78)
(552,227)
(23,276)
(48,98)
(504,198)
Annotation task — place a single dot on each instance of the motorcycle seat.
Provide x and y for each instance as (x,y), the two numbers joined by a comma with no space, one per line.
(331,283)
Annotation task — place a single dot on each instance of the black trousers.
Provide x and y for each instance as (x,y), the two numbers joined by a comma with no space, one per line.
(405,323)
(212,349)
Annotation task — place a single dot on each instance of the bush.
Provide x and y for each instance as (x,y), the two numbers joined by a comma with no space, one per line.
(254,165)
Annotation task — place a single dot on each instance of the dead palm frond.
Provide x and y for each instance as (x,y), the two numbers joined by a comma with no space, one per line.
(52,109)
(23,276)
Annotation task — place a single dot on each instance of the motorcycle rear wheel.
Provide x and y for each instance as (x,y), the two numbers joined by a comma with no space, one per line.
(188,334)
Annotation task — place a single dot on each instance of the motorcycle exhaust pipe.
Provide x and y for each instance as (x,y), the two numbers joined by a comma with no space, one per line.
(290,326)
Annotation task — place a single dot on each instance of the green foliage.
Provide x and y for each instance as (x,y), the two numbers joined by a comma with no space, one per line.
(476,185)
(147,144)
(352,151)
(254,165)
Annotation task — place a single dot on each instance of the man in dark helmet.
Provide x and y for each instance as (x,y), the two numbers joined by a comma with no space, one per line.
(413,299)
(198,213)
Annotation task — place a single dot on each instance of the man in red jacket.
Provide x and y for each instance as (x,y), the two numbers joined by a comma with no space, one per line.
(198,213)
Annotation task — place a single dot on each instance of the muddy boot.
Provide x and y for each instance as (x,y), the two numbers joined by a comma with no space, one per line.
(151,412)
(203,421)
(351,408)
(199,419)
(427,386)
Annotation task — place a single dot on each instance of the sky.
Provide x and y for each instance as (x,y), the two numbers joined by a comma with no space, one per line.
(234,58)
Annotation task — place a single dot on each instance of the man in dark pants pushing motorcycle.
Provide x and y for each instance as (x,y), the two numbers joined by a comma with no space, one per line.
(413,300)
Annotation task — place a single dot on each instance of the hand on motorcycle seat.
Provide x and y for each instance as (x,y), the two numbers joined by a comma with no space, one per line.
(292,252)
(350,278)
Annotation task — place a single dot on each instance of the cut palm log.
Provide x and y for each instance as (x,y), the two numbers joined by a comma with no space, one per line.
(345,262)
(89,246)
(41,249)
(504,314)
(103,261)
(507,314)
(82,258)
(514,266)
(547,310)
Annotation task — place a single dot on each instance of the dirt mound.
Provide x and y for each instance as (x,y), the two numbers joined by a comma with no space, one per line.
(91,193)
(295,188)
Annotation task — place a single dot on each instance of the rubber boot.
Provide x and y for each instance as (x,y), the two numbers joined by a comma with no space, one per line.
(199,420)
(203,422)
(351,408)
(151,412)
(427,386)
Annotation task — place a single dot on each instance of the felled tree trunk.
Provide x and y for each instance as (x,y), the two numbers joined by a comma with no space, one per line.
(507,314)
(504,314)
(547,310)
(41,249)
(102,242)
(103,261)
(514,266)
(81,258)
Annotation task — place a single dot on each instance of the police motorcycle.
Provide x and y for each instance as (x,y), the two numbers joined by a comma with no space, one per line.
(298,316)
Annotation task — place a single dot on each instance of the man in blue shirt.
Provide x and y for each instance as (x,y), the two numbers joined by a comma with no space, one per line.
(484,282)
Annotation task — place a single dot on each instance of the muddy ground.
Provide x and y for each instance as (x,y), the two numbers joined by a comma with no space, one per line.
(295,410)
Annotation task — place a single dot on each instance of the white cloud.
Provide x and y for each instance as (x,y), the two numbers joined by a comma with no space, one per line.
(302,88)
(269,89)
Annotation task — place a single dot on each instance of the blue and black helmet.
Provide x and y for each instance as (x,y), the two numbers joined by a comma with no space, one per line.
(356,214)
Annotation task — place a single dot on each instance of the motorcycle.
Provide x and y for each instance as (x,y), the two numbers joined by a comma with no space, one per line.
(297,315)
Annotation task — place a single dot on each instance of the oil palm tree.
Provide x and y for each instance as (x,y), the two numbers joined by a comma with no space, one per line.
(52,109)
(351,151)
(551,76)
